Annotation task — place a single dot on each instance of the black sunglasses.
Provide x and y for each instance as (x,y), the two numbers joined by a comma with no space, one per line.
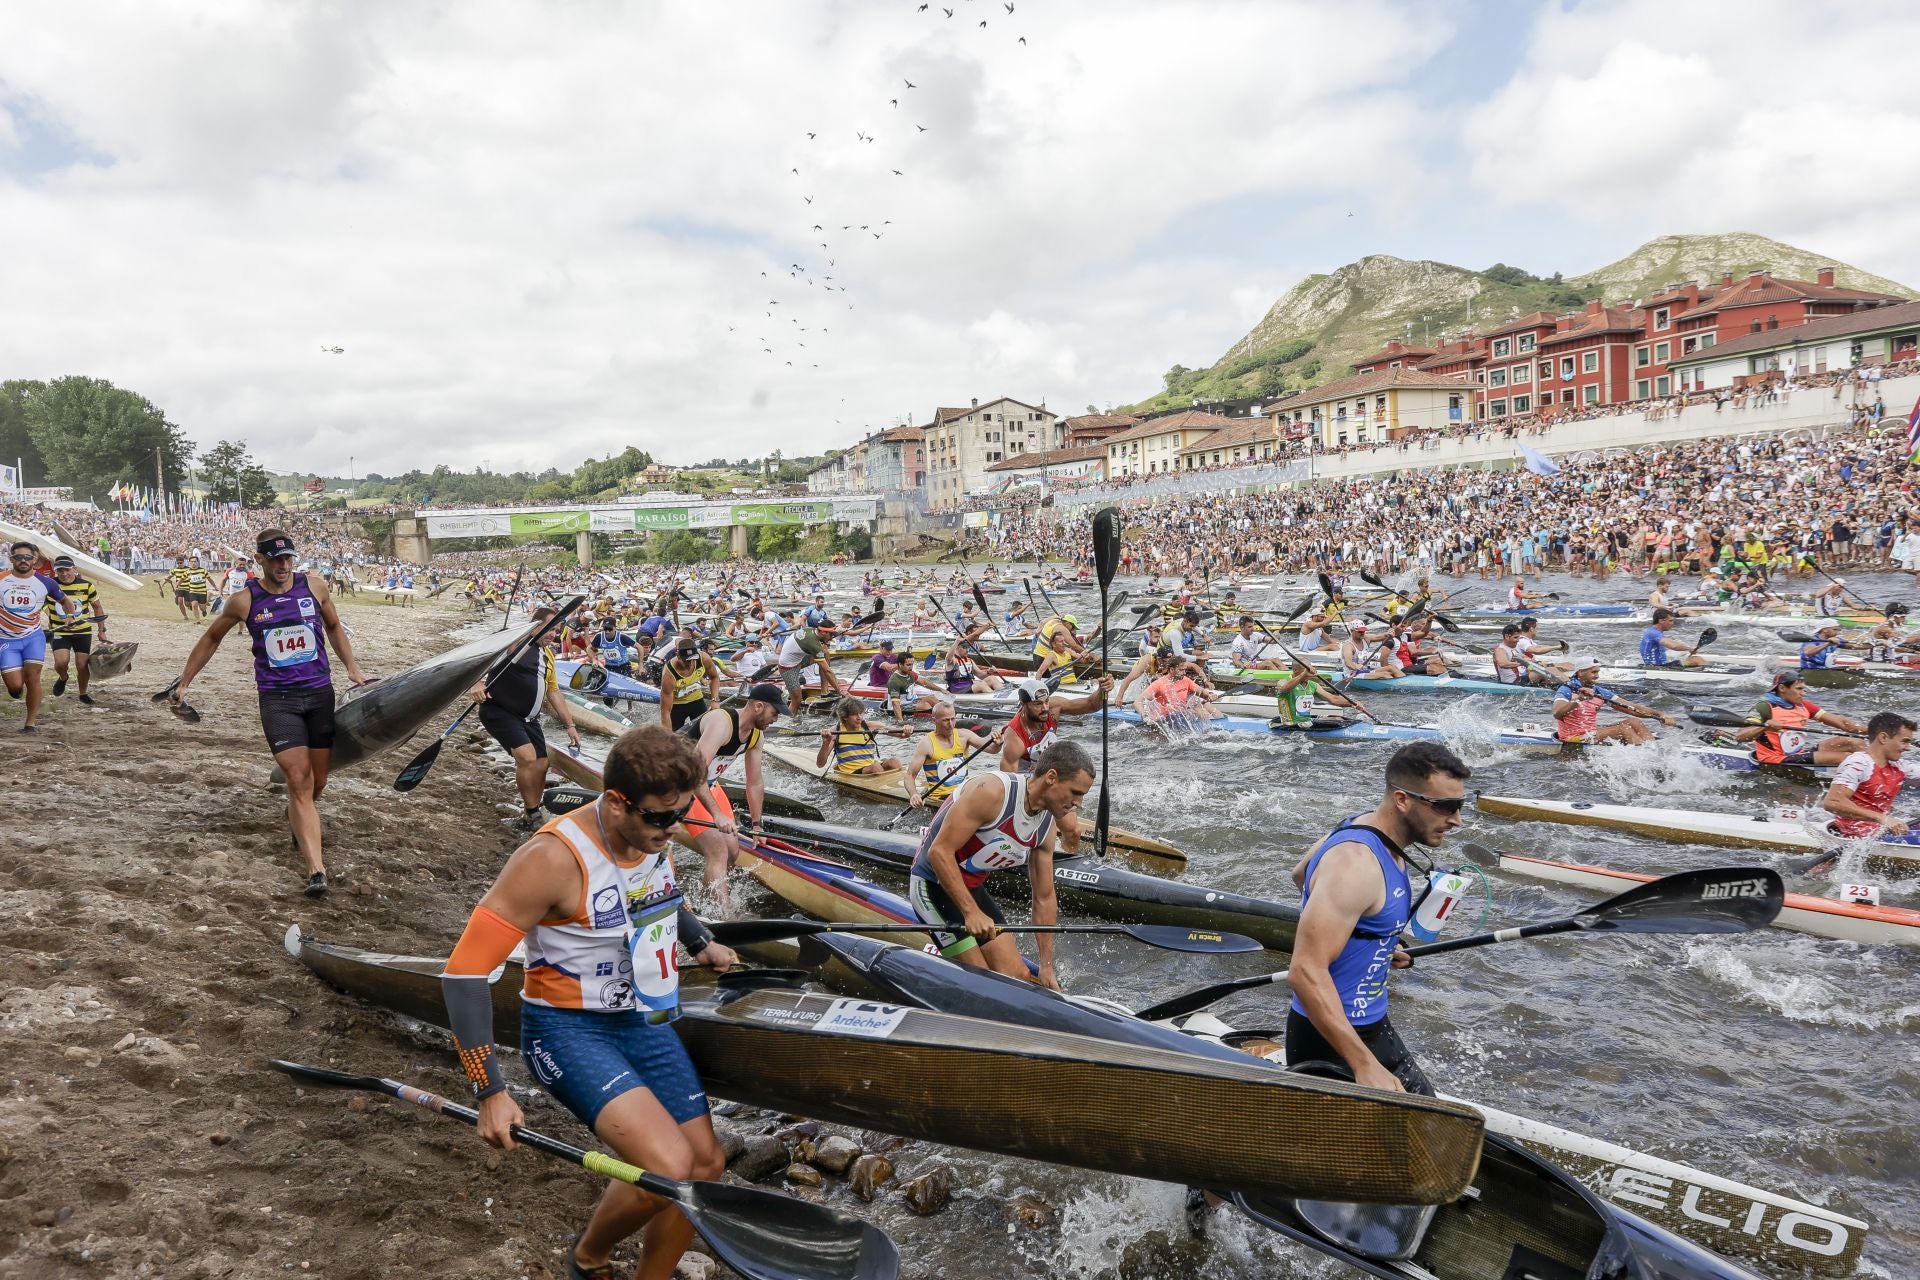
(664,819)
(1450,805)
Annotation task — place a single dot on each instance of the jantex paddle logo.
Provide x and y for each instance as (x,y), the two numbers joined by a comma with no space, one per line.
(1733,889)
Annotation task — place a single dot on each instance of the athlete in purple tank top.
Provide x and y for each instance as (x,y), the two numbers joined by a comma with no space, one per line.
(292,620)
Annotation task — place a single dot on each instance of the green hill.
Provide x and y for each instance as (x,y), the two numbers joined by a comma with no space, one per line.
(1326,322)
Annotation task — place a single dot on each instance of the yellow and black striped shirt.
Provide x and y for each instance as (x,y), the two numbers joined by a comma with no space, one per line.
(81,593)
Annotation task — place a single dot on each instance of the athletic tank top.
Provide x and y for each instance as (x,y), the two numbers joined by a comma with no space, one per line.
(1579,722)
(687,687)
(943,770)
(733,746)
(616,950)
(853,749)
(1003,844)
(288,651)
(1032,743)
(1360,970)
(81,592)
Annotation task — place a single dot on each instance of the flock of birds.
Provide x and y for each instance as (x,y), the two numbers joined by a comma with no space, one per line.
(779,333)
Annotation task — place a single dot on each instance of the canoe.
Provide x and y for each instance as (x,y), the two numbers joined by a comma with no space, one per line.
(616,686)
(1692,826)
(1524,1210)
(1822,917)
(1085,885)
(1137,1110)
(378,717)
(51,546)
(1560,610)
(110,660)
(890,787)
(592,714)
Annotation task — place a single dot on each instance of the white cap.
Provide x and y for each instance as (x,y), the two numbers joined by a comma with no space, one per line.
(1585,661)
(1031,689)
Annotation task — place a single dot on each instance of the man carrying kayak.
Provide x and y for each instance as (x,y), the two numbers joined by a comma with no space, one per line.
(510,713)
(934,771)
(719,736)
(1578,702)
(1777,724)
(593,896)
(1356,898)
(1657,647)
(286,613)
(1867,783)
(997,822)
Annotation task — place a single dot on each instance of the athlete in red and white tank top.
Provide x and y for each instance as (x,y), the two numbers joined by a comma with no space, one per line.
(1866,783)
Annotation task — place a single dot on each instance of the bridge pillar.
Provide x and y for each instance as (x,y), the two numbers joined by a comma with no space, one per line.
(737,542)
(583,548)
(410,541)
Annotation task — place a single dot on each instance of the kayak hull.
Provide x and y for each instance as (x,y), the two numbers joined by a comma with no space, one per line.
(379,717)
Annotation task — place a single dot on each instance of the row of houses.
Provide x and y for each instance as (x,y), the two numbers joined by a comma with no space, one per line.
(1684,338)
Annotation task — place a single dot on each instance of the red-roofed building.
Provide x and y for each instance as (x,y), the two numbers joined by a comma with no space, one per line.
(1394,355)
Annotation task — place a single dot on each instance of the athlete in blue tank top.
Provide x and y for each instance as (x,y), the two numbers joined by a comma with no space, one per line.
(1658,649)
(1356,898)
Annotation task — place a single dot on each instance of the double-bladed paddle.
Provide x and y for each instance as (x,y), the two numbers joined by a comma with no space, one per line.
(1106,560)
(741,933)
(760,1234)
(1445,622)
(506,610)
(1720,718)
(421,765)
(1716,900)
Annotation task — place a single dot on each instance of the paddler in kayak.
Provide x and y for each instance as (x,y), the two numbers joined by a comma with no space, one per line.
(997,822)
(721,735)
(852,744)
(1362,658)
(1519,598)
(1577,705)
(934,770)
(1866,784)
(1657,648)
(593,895)
(1248,649)
(1056,644)
(1300,694)
(1777,722)
(1179,695)
(1355,900)
(1817,654)
(510,713)
(285,613)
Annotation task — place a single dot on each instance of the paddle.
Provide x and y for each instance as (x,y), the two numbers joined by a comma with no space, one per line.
(566,798)
(181,709)
(421,765)
(760,1234)
(1716,900)
(506,610)
(741,933)
(1859,599)
(1106,561)
(1446,623)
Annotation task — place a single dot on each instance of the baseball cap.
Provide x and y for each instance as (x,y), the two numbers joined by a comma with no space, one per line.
(1585,661)
(1031,689)
(768,694)
(63,562)
(1070,619)
(275,547)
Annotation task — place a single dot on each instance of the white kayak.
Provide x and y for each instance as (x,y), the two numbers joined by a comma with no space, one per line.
(51,546)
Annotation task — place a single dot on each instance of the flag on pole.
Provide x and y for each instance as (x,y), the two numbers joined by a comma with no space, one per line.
(1538,462)
(1913,435)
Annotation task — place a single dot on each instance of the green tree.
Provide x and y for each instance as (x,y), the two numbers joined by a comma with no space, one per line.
(681,546)
(93,434)
(775,541)
(15,440)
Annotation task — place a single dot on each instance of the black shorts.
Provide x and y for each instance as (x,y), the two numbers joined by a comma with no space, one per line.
(297,718)
(1802,756)
(682,712)
(196,597)
(513,731)
(931,905)
(1306,1044)
(79,644)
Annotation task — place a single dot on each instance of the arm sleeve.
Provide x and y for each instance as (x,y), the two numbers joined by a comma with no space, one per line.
(487,942)
(694,934)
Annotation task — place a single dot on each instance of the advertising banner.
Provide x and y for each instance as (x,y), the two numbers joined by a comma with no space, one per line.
(9,479)
(854,508)
(712,516)
(755,513)
(482,526)
(645,518)
(551,521)
(610,521)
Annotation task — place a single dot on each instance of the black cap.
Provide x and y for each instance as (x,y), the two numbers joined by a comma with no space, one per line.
(275,547)
(769,694)
(63,562)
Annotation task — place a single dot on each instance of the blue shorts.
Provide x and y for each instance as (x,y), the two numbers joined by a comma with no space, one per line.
(17,651)
(587,1059)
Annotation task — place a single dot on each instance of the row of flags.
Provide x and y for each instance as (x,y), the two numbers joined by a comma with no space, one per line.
(139,497)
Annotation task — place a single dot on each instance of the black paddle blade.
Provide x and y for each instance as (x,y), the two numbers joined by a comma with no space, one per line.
(1298,609)
(185,712)
(587,679)
(1373,581)
(167,692)
(1717,717)
(773,1237)
(1326,585)
(565,799)
(332,1079)
(1715,900)
(419,767)
(1796,637)
(1106,544)
(1197,941)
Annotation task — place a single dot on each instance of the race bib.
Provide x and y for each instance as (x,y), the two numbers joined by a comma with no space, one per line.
(1792,743)
(1861,895)
(653,945)
(18,600)
(292,646)
(950,768)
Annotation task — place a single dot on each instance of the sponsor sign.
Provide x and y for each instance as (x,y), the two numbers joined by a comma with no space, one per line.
(711,516)
(480,526)
(757,513)
(644,518)
(9,478)
(551,521)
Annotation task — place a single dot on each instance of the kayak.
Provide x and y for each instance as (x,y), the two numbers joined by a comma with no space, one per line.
(110,660)
(616,686)
(1084,884)
(825,889)
(51,547)
(1691,826)
(590,713)
(888,786)
(1442,684)
(378,717)
(1822,917)
(1146,1110)
(1548,611)
(1523,1209)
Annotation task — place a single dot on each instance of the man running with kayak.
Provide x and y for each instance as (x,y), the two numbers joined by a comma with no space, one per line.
(720,736)
(593,896)
(510,713)
(1778,722)
(1657,647)
(1577,705)
(291,618)
(1356,899)
(1867,783)
(997,822)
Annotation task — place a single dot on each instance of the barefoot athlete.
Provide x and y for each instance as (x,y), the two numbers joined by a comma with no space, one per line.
(24,593)
(285,613)
(720,735)
(593,895)
(997,822)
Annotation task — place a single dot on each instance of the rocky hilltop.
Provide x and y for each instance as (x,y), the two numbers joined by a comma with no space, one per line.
(1326,322)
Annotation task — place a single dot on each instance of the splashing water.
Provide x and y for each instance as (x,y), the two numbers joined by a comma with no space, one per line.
(1812,984)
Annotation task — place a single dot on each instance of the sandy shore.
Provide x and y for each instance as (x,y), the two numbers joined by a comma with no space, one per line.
(147,881)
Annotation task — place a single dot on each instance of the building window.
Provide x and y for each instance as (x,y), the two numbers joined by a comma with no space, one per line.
(1642,357)
(1566,368)
(1496,377)
(1590,393)
(1663,318)
(1498,408)
(1642,389)
(1521,404)
(1663,353)
(1526,343)
(1707,339)
(1501,348)
(1590,362)
(1662,385)
(1522,373)
(1566,396)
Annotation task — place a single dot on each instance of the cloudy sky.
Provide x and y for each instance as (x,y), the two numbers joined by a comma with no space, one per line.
(547,231)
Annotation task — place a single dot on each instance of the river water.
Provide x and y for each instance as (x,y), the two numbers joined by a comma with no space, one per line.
(1781,1060)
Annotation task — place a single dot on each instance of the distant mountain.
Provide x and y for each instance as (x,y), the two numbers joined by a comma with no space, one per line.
(1326,322)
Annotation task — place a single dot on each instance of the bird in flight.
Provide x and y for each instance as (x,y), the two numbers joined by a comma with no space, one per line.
(947,11)
(812,136)
(922,128)
(895,102)
(808,199)
(1009,8)
(910,84)
(818,227)
(898,174)
(860,135)
(1023,39)
(983,24)
(334,351)
(729,328)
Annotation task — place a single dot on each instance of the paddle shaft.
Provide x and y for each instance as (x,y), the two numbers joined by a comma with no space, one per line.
(1106,556)
(747,932)
(506,610)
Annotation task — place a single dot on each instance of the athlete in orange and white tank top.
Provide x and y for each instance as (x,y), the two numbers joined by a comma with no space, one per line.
(616,950)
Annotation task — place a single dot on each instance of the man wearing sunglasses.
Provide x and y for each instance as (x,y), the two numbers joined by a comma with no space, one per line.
(1577,704)
(1356,898)
(24,592)
(593,895)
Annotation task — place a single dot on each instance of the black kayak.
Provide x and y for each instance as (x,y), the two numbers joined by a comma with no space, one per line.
(1085,885)
(1524,1216)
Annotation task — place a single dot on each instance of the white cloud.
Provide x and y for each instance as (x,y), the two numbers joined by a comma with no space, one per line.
(532,226)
